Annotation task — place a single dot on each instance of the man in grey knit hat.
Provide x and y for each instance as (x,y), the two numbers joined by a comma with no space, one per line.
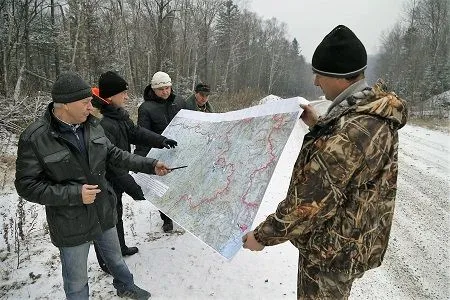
(61,163)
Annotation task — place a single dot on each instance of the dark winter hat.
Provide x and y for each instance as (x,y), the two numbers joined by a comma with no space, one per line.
(340,54)
(110,84)
(203,88)
(70,87)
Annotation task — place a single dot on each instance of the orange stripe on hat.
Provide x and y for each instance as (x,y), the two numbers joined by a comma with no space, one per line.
(96,93)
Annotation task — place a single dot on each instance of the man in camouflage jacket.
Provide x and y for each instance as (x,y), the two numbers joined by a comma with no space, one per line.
(340,203)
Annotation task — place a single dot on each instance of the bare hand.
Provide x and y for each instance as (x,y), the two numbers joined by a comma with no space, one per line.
(161,169)
(89,192)
(309,115)
(251,243)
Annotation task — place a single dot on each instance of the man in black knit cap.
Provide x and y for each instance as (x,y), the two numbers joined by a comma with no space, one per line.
(110,98)
(340,203)
(61,163)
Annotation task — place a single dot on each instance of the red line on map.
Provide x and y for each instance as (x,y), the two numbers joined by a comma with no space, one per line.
(279,121)
(242,227)
(221,162)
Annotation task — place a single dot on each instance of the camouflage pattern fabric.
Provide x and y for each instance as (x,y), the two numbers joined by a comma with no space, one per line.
(339,207)
(316,284)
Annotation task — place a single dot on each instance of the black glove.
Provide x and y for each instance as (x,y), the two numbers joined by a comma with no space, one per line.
(168,143)
(136,193)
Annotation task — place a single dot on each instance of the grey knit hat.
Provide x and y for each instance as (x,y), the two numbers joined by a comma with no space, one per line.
(70,87)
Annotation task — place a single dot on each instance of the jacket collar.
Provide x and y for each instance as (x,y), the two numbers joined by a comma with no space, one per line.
(114,112)
(354,88)
(52,121)
(149,95)
(376,101)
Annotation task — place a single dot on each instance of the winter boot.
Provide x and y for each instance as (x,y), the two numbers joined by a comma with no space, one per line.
(134,292)
(168,225)
(128,251)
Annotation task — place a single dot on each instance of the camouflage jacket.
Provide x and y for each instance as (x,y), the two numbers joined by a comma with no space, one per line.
(340,203)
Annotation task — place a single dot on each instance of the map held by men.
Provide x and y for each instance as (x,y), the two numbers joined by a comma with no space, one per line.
(230,158)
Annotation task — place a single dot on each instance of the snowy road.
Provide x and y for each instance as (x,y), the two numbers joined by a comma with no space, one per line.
(416,265)
(174,266)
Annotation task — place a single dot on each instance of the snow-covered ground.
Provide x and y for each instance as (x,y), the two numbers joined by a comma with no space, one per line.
(178,266)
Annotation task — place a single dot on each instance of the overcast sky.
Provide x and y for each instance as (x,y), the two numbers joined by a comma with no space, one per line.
(310,20)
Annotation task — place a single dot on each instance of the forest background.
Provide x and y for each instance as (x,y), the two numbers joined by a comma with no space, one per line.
(242,56)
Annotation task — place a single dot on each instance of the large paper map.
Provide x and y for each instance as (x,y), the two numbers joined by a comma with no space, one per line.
(230,159)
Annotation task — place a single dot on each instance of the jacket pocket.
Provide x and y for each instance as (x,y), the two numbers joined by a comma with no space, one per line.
(71,224)
(58,165)
(106,208)
(98,153)
(335,251)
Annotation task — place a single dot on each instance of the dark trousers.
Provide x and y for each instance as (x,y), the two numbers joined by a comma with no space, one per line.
(312,283)
(164,217)
(119,227)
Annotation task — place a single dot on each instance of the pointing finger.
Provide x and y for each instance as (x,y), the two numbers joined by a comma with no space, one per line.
(93,192)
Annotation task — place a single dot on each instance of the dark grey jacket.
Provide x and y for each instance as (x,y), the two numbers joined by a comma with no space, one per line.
(191,104)
(51,170)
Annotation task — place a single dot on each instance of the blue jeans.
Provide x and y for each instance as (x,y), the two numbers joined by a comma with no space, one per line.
(74,265)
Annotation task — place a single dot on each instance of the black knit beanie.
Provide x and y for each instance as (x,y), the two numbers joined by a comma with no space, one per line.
(110,84)
(340,54)
(70,87)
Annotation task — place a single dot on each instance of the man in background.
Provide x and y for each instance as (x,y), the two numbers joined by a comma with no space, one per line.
(159,108)
(199,100)
(340,204)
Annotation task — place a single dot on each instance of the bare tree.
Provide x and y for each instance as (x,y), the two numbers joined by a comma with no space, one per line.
(205,16)
(161,16)
(415,56)
(127,43)
(216,41)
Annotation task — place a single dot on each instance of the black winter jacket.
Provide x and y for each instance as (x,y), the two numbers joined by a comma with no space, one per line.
(156,113)
(122,132)
(51,170)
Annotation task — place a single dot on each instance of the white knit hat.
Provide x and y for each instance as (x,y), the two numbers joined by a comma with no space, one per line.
(161,79)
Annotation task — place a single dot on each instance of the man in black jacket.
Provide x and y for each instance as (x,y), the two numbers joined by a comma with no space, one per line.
(110,99)
(159,108)
(61,163)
